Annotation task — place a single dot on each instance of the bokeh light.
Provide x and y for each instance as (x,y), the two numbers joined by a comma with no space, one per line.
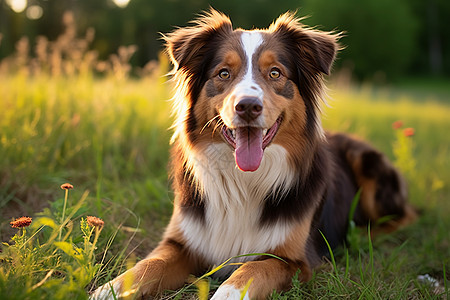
(17,6)
(121,3)
(34,12)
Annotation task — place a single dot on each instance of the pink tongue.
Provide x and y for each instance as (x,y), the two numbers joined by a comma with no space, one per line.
(249,151)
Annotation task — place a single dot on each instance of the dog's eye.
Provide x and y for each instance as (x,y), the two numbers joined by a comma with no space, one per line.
(224,74)
(275,73)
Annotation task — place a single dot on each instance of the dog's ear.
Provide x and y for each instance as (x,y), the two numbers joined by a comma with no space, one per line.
(372,163)
(316,50)
(187,46)
(324,47)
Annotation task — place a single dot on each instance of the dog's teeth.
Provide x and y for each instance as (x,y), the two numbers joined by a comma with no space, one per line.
(264,132)
(233,133)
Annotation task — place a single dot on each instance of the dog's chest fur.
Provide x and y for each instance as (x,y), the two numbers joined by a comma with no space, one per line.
(233,204)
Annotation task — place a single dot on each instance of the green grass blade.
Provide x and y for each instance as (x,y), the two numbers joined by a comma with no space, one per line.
(445,281)
(261,254)
(333,261)
(347,264)
(372,270)
(354,204)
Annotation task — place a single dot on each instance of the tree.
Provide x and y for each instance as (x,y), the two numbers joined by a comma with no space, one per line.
(380,35)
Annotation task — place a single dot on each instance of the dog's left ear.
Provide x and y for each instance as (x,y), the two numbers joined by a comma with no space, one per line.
(316,49)
(325,48)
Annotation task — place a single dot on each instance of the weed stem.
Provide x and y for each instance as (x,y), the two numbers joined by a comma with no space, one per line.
(63,212)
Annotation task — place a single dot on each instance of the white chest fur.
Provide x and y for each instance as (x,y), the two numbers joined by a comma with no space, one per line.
(234,204)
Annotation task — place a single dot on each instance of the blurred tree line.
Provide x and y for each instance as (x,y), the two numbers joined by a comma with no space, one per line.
(383,38)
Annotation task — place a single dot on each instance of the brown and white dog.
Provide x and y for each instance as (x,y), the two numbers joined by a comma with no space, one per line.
(253,170)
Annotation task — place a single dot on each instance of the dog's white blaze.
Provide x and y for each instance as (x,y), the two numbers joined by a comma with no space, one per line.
(247,87)
(234,201)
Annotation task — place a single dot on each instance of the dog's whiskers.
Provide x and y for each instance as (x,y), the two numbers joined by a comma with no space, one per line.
(209,123)
(218,124)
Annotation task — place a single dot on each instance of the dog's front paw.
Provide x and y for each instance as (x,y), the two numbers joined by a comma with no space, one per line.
(229,292)
(108,291)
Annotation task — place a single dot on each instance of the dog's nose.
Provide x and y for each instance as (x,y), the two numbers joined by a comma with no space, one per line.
(249,108)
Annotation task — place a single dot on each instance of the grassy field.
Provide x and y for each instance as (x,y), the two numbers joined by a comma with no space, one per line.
(108,137)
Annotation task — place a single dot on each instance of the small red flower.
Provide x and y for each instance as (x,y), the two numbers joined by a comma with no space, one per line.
(67,186)
(397,124)
(408,131)
(94,221)
(21,222)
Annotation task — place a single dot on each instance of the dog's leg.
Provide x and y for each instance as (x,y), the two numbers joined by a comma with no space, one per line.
(269,273)
(265,276)
(167,267)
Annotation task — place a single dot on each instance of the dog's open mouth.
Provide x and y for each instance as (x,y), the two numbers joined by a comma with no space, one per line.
(249,144)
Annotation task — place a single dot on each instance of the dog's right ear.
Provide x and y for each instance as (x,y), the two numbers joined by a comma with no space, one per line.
(187,46)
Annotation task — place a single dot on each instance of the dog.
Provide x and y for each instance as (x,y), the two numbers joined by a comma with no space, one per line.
(253,170)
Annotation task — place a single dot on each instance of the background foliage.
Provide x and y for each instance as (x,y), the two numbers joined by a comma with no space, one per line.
(384,39)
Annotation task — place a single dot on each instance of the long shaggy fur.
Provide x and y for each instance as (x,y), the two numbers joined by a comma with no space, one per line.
(253,171)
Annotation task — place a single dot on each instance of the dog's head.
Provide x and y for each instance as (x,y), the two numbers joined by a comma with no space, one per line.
(258,87)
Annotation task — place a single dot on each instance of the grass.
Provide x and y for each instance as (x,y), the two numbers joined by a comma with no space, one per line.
(107,135)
